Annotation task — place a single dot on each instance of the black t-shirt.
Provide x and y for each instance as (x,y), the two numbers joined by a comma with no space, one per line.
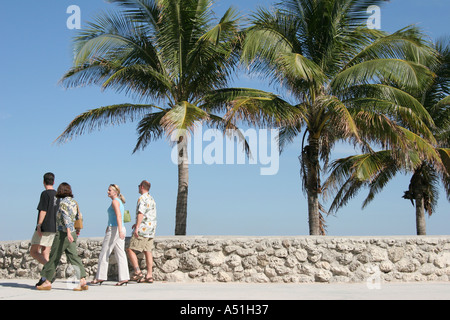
(50,204)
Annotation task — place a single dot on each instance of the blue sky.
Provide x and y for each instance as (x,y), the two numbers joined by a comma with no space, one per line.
(223,199)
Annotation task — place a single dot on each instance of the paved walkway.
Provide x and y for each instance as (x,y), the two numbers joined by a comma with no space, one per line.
(19,289)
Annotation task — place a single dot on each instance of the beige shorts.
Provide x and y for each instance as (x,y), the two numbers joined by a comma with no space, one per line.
(140,244)
(46,240)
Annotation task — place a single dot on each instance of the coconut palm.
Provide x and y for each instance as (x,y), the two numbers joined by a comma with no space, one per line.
(171,57)
(374,170)
(338,73)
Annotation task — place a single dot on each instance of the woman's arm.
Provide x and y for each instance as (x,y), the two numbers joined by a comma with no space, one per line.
(69,235)
(116,207)
(66,220)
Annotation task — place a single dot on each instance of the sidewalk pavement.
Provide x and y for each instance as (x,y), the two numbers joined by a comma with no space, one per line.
(23,289)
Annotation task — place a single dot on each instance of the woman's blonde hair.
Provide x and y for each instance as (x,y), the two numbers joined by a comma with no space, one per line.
(121,197)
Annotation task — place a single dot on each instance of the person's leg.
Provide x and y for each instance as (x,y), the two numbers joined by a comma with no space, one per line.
(147,246)
(36,253)
(121,257)
(132,257)
(73,258)
(149,261)
(49,270)
(36,249)
(46,244)
(103,259)
(46,252)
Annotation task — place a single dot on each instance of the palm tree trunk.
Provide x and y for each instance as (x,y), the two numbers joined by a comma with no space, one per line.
(416,191)
(183,182)
(313,185)
(420,214)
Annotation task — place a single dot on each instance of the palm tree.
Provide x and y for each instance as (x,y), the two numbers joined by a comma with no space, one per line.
(338,72)
(163,51)
(376,169)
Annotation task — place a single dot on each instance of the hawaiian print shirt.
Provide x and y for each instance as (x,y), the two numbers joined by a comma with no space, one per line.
(67,214)
(147,206)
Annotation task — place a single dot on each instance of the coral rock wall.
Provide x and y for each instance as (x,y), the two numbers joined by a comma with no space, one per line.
(297,259)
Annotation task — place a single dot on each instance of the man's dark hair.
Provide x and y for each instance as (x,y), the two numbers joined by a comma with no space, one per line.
(49,179)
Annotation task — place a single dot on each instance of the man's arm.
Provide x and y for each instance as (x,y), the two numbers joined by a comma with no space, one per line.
(43,205)
(41,218)
(139,219)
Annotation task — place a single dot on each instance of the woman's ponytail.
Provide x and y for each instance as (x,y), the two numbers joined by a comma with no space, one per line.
(121,197)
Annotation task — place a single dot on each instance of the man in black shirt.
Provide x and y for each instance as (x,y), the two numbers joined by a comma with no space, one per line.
(44,234)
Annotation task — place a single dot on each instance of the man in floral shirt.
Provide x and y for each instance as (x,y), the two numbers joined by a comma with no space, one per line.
(143,234)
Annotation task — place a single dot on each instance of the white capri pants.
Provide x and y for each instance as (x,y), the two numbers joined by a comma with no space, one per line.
(112,242)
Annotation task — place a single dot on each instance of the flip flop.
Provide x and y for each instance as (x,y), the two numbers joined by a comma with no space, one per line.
(42,287)
(81,288)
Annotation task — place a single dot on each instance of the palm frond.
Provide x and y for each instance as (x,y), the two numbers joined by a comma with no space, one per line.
(227,25)
(406,43)
(340,118)
(288,133)
(445,174)
(445,156)
(426,151)
(140,80)
(115,51)
(409,74)
(231,130)
(296,66)
(349,175)
(112,35)
(149,129)
(144,11)
(95,119)
(423,184)
(181,120)
(271,35)
(393,102)
(253,106)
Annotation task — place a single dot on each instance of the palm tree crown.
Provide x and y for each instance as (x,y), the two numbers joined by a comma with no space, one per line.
(172,56)
(350,82)
(376,169)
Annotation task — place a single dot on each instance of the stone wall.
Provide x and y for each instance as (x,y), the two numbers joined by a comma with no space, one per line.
(299,259)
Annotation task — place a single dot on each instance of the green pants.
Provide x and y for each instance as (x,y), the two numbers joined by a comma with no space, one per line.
(60,245)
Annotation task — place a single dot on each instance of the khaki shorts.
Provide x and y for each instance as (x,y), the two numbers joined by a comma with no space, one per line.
(46,240)
(140,244)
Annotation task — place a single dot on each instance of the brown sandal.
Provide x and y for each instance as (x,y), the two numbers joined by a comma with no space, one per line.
(146,280)
(137,277)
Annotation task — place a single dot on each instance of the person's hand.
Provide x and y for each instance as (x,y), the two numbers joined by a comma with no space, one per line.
(135,233)
(121,235)
(38,229)
(69,237)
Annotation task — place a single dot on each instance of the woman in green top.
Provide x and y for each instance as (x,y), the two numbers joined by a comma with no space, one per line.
(65,241)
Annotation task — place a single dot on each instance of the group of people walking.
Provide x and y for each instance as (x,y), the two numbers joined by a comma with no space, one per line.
(58,226)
